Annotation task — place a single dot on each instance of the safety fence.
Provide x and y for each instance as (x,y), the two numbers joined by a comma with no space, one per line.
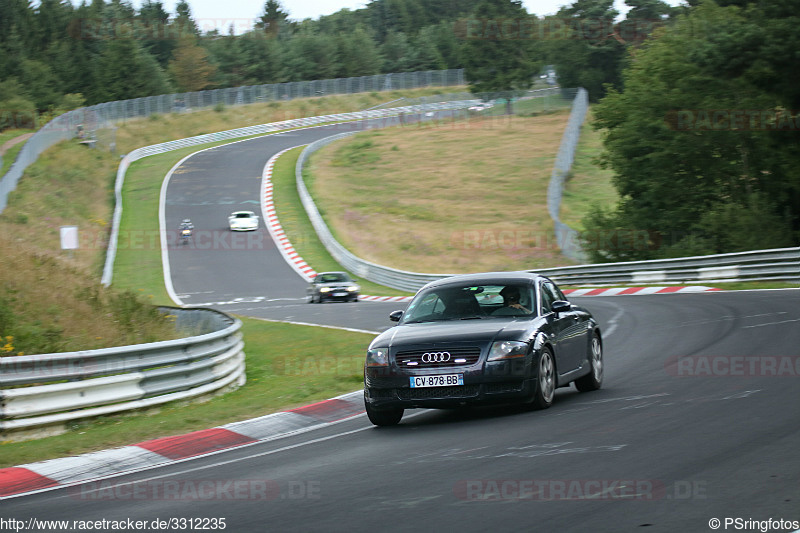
(86,120)
(566,236)
(53,389)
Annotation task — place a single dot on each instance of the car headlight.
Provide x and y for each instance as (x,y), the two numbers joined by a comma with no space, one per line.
(507,350)
(353,288)
(324,289)
(378,357)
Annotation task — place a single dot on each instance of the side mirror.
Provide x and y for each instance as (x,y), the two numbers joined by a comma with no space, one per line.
(561,306)
(395,316)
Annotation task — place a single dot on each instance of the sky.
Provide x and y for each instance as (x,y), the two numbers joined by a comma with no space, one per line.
(212,13)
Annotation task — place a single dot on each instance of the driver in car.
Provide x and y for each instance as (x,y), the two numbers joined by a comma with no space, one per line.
(511,299)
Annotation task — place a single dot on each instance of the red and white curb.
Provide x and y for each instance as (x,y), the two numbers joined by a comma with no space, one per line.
(274,225)
(43,475)
(282,241)
(625,291)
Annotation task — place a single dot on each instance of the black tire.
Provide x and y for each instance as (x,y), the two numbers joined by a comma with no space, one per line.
(594,379)
(545,387)
(384,417)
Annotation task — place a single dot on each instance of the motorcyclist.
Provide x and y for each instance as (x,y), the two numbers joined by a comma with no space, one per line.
(185,230)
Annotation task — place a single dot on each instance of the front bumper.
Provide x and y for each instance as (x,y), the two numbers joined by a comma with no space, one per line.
(338,295)
(484,384)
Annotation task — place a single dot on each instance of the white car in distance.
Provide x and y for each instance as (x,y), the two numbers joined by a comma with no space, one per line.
(243,221)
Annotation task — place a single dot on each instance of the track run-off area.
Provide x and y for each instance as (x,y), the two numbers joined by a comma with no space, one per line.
(698,419)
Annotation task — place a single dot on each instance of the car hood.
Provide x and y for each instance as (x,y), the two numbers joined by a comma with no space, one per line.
(480,331)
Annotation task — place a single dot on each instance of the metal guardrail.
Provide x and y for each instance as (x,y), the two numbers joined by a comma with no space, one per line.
(105,115)
(781,264)
(49,389)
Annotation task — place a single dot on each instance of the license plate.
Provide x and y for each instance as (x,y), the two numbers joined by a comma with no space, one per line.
(339,294)
(443,380)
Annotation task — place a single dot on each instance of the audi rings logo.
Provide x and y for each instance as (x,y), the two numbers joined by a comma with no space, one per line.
(435,357)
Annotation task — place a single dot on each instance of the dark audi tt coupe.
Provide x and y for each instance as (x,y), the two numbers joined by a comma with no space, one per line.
(478,339)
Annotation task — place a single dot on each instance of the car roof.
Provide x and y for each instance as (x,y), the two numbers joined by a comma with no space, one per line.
(486,278)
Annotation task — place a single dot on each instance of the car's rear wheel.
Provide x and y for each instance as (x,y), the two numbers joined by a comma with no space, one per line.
(545,388)
(384,417)
(594,379)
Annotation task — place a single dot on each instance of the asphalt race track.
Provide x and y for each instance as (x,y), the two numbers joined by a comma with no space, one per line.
(667,445)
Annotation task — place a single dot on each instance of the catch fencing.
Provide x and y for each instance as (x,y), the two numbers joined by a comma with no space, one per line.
(86,121)
(53,389)
(567,237)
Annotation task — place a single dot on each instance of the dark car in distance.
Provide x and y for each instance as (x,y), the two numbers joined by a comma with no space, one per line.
(508,337)
(332,286)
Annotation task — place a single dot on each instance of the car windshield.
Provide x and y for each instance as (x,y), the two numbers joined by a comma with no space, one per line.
(332,278)
(244,215)
(471,302)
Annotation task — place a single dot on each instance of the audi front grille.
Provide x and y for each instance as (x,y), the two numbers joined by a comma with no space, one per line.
(438,358)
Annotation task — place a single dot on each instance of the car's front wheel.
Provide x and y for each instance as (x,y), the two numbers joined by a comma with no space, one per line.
(594,379)
(545,388)
(384,417)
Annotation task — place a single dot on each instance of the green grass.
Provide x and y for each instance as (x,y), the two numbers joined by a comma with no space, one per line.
(587,183)
(298,228)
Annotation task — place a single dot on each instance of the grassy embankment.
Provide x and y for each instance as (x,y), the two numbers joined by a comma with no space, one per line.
(444,197)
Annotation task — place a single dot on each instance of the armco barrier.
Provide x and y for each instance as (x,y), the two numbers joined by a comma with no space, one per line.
(782,264)
(52,389)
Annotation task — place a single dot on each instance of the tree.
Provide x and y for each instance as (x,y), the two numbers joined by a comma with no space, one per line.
(125,71)
(357,54)
(584,46)
(154,20)
(274,21)
(190,69)
(183,25)
(683,175)
(495,61)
